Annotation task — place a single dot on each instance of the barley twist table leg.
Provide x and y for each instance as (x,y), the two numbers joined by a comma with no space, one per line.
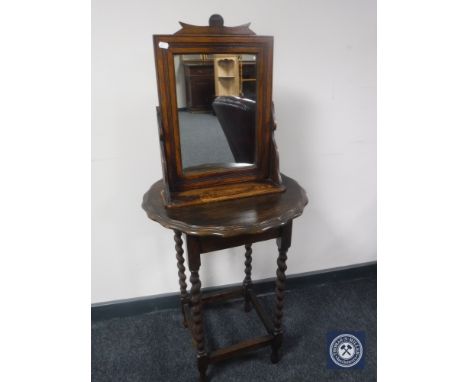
(283,243)
(195,292)
(247,284)
(193,252)
(184,297)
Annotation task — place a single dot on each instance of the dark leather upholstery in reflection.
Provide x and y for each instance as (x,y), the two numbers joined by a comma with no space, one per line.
(237,118)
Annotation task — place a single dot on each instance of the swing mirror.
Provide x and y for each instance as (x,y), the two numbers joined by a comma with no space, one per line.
(215,115)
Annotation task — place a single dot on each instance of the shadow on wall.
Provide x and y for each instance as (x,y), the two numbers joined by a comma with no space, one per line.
(296,129)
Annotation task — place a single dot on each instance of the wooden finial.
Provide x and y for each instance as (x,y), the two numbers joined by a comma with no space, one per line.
(216,21)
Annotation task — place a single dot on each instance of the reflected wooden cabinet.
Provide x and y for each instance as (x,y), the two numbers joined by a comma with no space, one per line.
(199,85)
(248,79)
(223,76)
(226,73)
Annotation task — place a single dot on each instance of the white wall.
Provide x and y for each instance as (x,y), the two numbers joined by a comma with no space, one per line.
(325,98)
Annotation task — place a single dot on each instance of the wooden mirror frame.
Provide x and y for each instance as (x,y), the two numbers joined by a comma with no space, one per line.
(263,176)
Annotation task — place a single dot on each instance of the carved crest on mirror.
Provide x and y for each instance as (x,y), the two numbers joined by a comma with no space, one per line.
(216,120)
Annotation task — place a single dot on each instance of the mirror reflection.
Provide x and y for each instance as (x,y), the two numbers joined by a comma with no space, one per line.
(216,103)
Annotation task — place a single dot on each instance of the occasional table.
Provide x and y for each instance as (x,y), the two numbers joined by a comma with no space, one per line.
(220,225)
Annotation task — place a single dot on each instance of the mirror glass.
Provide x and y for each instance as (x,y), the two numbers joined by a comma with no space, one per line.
(217,105)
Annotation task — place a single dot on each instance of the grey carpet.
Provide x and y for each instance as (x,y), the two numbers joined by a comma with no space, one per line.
(155,347)
(202,140)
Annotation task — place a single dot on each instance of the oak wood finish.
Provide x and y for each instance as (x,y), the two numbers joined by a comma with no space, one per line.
(184,297)
(247,283)
(283,242)
(216,27)
(197,327)
(212,297)
(215,226)
(247,216)
(260,311)
(239,348)
(184,188)
(225,207)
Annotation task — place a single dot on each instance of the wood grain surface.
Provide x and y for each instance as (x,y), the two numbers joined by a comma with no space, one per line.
(250,215)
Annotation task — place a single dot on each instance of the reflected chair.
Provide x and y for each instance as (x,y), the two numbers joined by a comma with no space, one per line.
(237,119)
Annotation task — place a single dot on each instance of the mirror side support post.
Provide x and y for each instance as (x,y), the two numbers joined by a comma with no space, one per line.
(166,195)
(274,153)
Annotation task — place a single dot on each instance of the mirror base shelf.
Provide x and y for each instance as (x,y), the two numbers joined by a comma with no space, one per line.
(220,193)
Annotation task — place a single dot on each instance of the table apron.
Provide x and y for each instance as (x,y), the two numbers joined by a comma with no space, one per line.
(217,243)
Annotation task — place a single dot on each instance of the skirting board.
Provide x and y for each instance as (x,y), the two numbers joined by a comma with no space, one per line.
(141,305)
